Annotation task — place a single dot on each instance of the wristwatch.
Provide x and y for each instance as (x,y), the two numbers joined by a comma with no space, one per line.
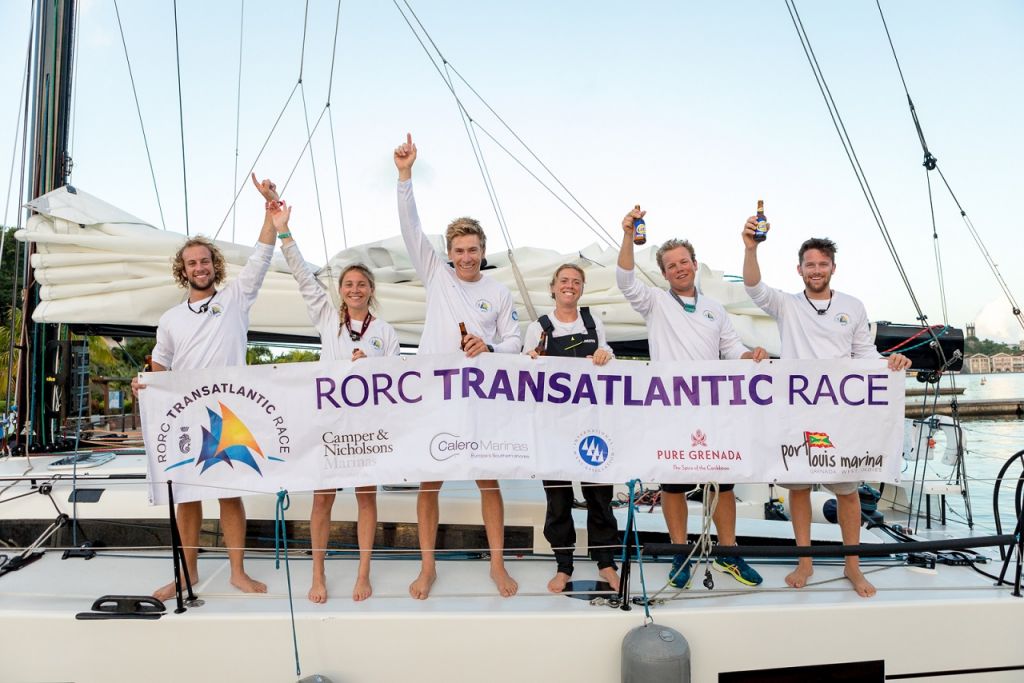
(490,348)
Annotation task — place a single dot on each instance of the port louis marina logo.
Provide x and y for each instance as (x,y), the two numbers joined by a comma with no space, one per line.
(823,455)
(703,455)
(594,450)
(228,443)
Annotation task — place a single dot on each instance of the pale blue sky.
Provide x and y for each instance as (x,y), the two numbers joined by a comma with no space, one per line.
(694,110)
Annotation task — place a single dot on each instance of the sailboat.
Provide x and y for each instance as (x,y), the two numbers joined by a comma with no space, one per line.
(464,631)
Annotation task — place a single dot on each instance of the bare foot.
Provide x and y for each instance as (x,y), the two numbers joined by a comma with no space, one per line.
(557,584)
(247,584)
(798,577)
(610,576)
(318,592)
(363,589)
(168,592)
(860,583)
(507,586)
(420,588)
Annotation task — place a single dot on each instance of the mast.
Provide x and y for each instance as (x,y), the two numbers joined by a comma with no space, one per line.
(49,168)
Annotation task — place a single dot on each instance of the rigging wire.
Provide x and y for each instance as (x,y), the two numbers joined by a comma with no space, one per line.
(181,115)
(851,156)
(938,252)
(238,108)
(330,121)
(309,133)
(598,230)
(70,155)
(930,164)
(138,110)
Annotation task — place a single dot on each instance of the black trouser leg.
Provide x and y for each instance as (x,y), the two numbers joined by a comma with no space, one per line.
(559,529)
(602,527)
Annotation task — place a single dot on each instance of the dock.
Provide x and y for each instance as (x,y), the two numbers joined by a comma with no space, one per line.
(993,407)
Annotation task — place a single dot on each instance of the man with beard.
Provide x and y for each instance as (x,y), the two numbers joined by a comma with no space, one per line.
(684,326)
(818,322)
(209,330)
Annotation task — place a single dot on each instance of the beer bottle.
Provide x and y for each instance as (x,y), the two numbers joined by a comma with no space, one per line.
(147,365)
(464,333)
(639,230)
(761,231)
(542,345)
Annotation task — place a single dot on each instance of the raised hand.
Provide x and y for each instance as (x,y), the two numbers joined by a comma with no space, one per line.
(748,232)
(627,221)
(405,157)
(279,215)
(898,361)
(266,188)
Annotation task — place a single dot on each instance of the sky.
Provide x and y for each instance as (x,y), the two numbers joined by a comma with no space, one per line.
(694,110)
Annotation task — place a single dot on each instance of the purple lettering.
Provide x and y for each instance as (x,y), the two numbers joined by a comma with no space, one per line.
(754,396)
(584,390)
(501,385)
(560,391)
(794,389)
(692,390)
(378,390)
(656,392)
(535,385)
(344,390)
(627,389)
(872,388)
(609,387)
(401,387)
(713,381)
(737,391)
(472,378)
(842,390)
(321,394)
(825,390)
(446,375)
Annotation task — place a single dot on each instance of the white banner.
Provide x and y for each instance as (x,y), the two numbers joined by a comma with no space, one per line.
(303,426)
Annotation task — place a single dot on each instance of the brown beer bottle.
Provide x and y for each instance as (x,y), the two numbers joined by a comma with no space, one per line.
(761,231)
(542,345)
(464,333)
(147,364)
(639,230)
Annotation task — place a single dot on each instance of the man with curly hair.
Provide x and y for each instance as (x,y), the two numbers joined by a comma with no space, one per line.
(209,330)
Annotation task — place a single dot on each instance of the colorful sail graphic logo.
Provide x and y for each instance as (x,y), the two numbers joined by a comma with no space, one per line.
(227,440)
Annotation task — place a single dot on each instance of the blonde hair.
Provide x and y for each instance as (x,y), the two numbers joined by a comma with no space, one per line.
(178,262)
(464,226)
(669,246)
(372,301)
(559,269)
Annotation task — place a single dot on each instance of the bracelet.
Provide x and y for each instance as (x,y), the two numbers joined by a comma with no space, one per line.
(282,235)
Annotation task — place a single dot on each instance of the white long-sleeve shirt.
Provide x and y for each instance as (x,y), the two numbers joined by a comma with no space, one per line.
(189,337)
(842,332)
(675,334)
(485,305)
(380,339)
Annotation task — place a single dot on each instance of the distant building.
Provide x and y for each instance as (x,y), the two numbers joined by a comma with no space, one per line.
(1020,345)
(1017,364)
(970,332)
(1002,362)
(979,364)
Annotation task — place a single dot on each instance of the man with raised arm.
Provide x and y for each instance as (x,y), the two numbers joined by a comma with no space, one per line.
(209,330)
(456,294)
(684,326)
(817,322)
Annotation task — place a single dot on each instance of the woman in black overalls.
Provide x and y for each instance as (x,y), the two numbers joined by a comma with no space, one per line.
(573,331)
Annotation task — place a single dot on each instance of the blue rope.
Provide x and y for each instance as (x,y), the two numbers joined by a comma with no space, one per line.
(281,538)
(633,483)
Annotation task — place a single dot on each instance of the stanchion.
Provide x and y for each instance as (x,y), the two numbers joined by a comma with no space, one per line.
(178,554)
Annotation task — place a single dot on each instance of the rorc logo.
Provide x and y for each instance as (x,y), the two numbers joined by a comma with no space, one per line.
(594,449)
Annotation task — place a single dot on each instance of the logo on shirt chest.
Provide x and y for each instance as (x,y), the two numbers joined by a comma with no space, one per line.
(709,316)
(377,343)
(483,305)
(843,319)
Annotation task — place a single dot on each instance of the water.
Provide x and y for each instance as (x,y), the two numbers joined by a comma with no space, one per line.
(989,442)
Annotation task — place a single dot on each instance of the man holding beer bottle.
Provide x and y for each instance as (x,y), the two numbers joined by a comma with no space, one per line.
(458,296)
(817,322)
(684,326)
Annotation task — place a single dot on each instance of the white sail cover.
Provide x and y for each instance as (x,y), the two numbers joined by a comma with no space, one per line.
(98,264)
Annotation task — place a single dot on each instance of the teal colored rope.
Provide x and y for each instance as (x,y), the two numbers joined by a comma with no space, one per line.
(636,541)
(281,538)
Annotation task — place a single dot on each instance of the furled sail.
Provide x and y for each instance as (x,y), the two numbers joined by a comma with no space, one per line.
(100,265)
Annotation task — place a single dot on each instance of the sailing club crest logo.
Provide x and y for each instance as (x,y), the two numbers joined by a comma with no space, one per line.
(709,315)
(484,305)
(377,343)
(843,319)
(594,450)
